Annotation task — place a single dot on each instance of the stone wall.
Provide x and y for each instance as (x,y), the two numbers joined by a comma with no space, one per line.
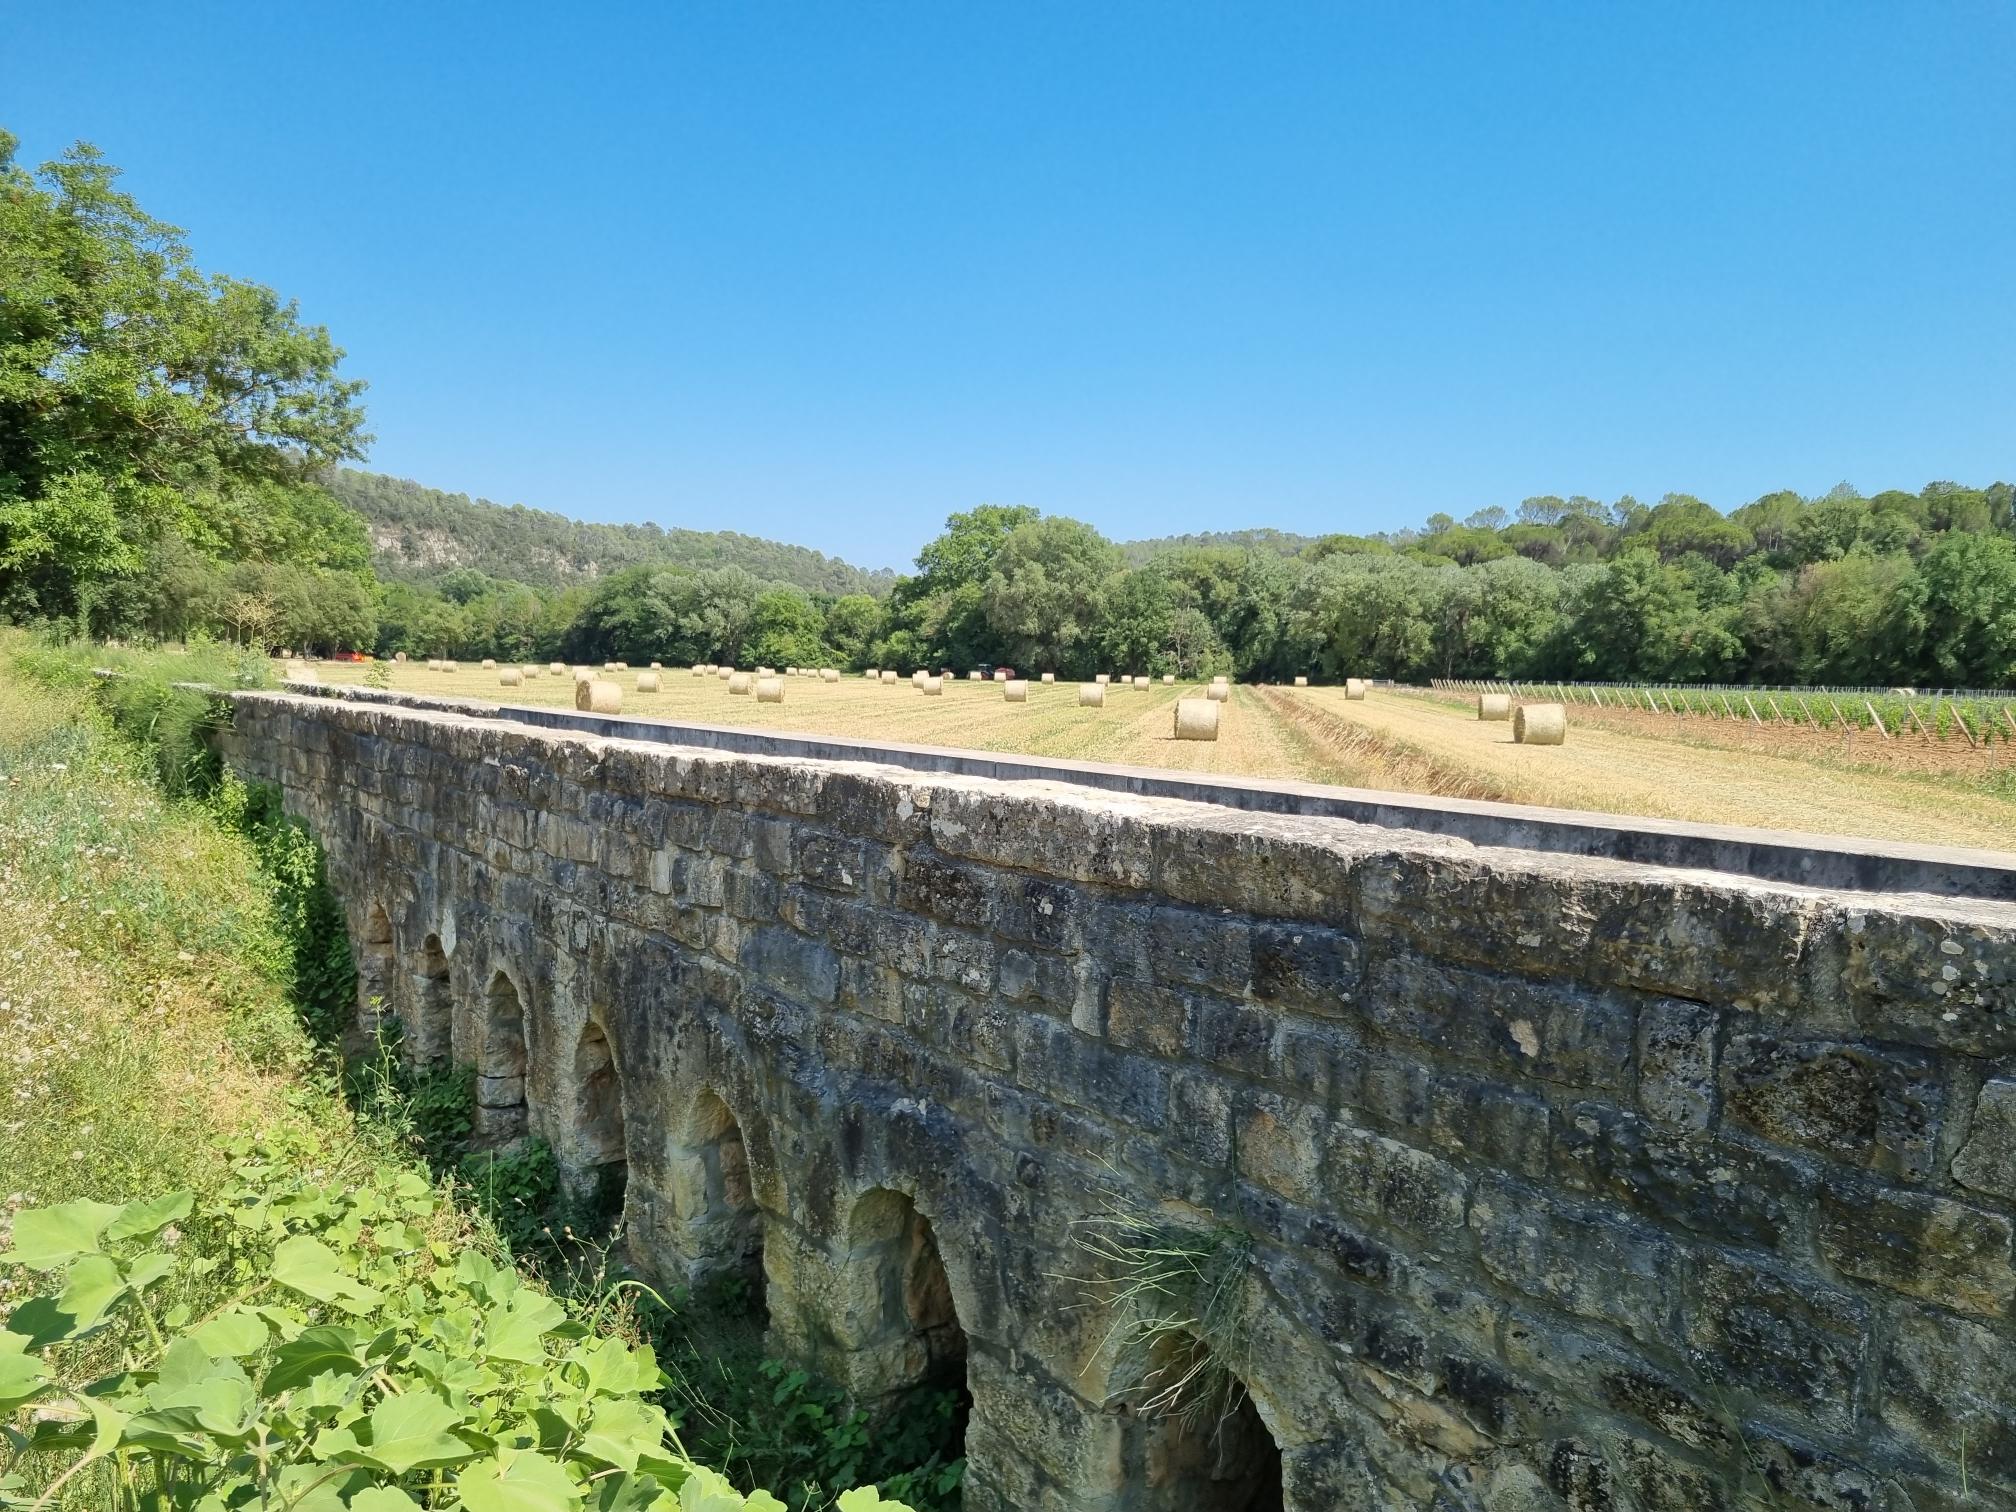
(1526,1180)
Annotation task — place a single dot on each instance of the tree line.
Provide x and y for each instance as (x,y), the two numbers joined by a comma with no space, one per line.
(170,450)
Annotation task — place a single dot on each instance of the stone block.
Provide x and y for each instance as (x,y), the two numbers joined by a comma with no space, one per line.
(1987,1161)
(1305,967)
(1581,1259)
(1542,1032)
(1920,1244)
(1875,1107)
(1786,1337)
(1676,1063)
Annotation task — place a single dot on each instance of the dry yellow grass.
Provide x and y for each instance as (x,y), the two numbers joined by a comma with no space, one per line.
(1397,741)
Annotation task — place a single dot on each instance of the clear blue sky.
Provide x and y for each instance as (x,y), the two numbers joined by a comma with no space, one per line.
(828,272)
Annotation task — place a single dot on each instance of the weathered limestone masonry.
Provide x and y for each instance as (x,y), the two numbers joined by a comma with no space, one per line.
(1568,1182)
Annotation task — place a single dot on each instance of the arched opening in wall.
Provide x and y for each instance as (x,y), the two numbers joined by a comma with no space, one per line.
(724,1226)
(500,1064)
(600,1157)
(1207,1448)
(908,1361)
(429,1032)
(374,969)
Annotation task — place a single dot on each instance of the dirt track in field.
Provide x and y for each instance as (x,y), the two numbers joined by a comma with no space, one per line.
(1397,740)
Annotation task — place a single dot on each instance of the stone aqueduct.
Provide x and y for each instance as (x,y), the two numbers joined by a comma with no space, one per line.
(1548,1181)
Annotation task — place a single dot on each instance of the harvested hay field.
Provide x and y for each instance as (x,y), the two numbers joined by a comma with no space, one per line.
(1397,740)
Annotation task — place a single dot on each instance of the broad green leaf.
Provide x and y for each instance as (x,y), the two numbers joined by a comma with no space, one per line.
(708,1491)
(517,1330)
(621,1429)
(222,1405)
(310,1267)
(383,1499)
(630,1493)
(45,1238)
(316,1350)
(148,1268)
(517,1481)
(139,1220)
(311,1488)
(868,1499)
(93,1286)
(410,1432)
(22,1375)
(232,1335)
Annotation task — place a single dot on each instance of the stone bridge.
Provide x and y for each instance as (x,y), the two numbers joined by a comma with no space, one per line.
(1497,1175)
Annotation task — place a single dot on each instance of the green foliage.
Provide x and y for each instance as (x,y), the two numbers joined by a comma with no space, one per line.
(768,1423)
(143,401)
(317,1342)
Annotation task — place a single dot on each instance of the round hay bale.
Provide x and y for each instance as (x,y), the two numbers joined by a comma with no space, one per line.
(1014,690)
(790,671)
(1001,675)
(1221,680)
(1092,695)
(890,679)
(1142,684)
(597,695)
(1540,724)
(530,671)
(647,682)
(609,666)
(582,675)
(1301,682)
(932,687)
(1049,677)
(726,674)
(766,671)
(769,690)
(558,669)
(449,666)
(510,677)
(1494,705)
(489,664)
(622,666)
(974,675)
(1197,718)
(698,670)
(873,674)
(1103,678)
(657,666)
(739,683)
(1218,692)
(829,674)
(917,678)
(1355,689)
(1168,679)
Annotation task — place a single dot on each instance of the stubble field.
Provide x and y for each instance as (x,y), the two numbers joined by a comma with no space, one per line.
(1396,739)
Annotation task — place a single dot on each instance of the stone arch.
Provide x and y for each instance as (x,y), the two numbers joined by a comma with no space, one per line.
(703,1226)
(597,1157)
(898,1327)
(375,965)
(430,1021)
(500,1062)
(1204,1444)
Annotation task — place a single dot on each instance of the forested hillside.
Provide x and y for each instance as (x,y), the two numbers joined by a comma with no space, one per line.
(419,533)
(1276,542)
